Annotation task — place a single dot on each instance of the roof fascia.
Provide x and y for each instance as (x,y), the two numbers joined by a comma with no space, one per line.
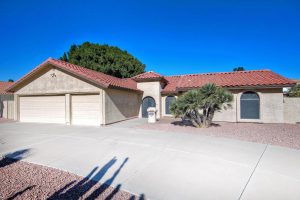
(242,87)
(49,63)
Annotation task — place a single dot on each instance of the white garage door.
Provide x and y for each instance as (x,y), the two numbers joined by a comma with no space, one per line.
(86,109)
(45,109)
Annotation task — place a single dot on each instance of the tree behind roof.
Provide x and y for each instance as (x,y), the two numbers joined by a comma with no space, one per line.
(104,58)
(238,69)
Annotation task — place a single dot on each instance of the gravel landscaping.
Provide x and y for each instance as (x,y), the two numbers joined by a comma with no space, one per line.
(22,180)
(286,135)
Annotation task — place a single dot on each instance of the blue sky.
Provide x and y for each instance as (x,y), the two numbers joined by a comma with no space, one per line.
(170,37)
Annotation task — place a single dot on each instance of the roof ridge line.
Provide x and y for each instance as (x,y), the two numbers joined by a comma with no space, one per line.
(142,75)
(211,73)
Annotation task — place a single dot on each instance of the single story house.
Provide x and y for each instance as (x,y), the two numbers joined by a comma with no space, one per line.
(60,92)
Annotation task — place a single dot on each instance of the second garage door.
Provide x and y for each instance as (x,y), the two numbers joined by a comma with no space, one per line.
(46,109)
(85,109)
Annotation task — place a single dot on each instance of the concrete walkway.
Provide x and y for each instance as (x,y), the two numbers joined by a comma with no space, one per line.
(161,165)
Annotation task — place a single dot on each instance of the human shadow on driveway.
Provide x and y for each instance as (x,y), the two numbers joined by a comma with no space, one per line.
(11,158)
(20,192)
(87,189)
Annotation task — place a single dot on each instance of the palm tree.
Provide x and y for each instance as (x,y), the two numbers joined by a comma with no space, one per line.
(200,105)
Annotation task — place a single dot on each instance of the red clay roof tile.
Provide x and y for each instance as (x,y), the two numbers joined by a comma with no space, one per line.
(226,79)
(148,76)
(173,83)
(99,78)
(4,86)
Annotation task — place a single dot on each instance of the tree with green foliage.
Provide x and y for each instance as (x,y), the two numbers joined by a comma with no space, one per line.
(104,58)
(64,57)
(294,91)
(200,105)
(10,80)
(236,69)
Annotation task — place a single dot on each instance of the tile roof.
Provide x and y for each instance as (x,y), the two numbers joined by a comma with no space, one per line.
(227,79)
(148,76)
(172,84)
(4,86)
(255,78)
(97,78)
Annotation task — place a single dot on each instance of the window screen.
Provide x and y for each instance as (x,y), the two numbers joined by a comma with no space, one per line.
(249,105)
(169,101)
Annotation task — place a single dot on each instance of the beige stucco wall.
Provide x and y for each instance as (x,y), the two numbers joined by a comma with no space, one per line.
(61,83)
(121,105)
(291,109)
(230,114)
(7,106)
(151,89)
(271,107)
(118,104)
(53,81)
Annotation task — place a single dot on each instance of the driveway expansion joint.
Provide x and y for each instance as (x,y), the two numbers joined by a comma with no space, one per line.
(240,197)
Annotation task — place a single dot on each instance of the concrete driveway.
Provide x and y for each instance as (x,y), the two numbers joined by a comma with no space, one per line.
(161,165)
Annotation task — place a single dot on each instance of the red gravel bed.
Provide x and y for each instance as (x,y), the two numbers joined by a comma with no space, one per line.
(22,180)
(286,135)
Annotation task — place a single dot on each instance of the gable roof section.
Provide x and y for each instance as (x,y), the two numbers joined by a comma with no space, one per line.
(172,84)
(255,78)
(4,86)
(148,76)
(95,77)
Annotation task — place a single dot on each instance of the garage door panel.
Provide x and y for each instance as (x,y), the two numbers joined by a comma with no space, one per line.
(86,109)
(44,109)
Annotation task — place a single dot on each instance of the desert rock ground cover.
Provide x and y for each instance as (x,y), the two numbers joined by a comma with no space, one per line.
(286,135)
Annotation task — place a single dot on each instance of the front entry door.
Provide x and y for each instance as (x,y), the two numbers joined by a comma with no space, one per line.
(147,102)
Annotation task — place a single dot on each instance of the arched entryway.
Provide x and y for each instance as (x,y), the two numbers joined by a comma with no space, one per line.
(250,105)
(147,102)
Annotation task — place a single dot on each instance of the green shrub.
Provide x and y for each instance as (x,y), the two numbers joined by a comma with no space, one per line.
(294,91)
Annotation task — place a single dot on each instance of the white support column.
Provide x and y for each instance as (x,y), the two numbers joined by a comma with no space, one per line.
(101,113)
(102,106)
(16,107)
(7,108)
(68,109)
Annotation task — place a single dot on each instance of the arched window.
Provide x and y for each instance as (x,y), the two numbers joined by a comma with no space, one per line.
(147,102)
(249,105)
(169,101)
